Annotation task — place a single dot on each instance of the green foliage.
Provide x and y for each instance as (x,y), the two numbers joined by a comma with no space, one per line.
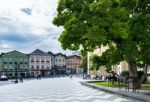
(95,62)
(122,25)
(83,64)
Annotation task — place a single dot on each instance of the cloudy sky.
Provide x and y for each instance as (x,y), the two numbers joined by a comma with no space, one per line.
(26,25)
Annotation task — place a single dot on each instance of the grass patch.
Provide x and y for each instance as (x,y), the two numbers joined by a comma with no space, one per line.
(106,84)
(116,84)
(146,85)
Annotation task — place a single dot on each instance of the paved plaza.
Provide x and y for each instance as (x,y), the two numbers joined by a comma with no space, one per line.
(55,90)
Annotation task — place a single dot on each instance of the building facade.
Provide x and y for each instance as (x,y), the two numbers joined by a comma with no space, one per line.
(72,64)
(101,70)
(60,63)
(39,63)
(53,68)
(122,66)
(52,59)
(14,64)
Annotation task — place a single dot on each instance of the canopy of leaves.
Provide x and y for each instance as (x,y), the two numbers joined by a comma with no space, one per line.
(122,25)
(83,64)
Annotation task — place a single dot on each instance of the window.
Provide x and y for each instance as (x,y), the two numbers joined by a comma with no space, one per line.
(42,59)
(59,60)
(37,59)
(26,60)
(10,67)
(37,66)
(5,62)
(5,67)
(26,67)
(32,66)
(56,60)
(5,59)
(32,59)
(10,62)
(10,59)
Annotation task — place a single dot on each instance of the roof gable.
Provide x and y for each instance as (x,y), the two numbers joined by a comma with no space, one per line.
(38,52)
(15,52)
(60,54)
(50,53)
(72,56)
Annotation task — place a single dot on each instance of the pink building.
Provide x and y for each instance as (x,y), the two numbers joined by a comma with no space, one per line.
(72,64)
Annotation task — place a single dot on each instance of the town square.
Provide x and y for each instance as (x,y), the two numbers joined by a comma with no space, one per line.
(74,50)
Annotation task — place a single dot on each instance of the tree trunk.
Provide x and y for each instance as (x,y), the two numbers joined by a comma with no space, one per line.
(144,75)
(134,73)
(132,69)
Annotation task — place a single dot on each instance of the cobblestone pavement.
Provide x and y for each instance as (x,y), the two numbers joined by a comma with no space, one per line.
(2,83)
(55,90)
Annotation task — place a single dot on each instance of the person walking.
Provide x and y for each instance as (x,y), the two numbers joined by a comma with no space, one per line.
(21,79)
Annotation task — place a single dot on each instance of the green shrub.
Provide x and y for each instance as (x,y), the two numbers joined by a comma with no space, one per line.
(126,73)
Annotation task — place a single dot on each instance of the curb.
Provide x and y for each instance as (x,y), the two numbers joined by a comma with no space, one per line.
(140,97)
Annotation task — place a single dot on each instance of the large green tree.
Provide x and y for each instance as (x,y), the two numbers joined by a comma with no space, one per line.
(84,65)
(122,25)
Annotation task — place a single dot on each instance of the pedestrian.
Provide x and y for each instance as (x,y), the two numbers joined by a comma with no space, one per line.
(37,77)
(21,79)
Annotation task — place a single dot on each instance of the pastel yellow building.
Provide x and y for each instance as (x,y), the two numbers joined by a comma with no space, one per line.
(122,66)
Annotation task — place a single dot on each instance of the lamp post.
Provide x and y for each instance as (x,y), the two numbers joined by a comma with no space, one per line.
(16,72)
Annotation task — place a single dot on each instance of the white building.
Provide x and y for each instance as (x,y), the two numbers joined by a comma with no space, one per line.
(60,63)
(39,63)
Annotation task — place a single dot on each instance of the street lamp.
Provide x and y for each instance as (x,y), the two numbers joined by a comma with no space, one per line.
(16,72)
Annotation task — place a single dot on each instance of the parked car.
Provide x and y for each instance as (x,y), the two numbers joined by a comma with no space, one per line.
(3,78)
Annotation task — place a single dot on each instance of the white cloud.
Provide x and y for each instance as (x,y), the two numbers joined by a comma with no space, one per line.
(31,23)
(41,16)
